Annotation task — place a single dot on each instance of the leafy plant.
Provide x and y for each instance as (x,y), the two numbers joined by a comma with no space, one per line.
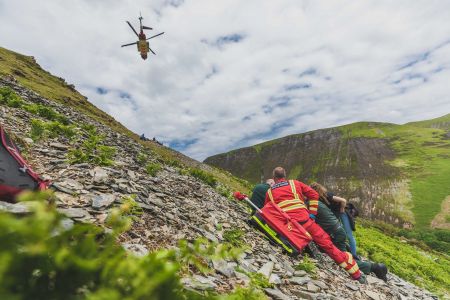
(130,208)
(234,236)
(46,112)
(41,129)
(224,191)
(203,176)
(92,150)
(9,98)
(152,169)
(306,265)
(40,258)
(142,158)
(259,280)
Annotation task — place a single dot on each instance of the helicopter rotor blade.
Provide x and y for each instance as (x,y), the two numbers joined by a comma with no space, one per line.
(131,26)
(129,44)
(145,27)
(155,35)
(151,50)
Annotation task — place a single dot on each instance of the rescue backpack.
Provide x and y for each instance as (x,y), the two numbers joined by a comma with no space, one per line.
(16,175)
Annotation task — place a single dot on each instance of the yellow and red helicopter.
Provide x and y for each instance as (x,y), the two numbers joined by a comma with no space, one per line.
(142,45)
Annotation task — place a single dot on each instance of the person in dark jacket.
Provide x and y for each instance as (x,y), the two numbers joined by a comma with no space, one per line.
(259,193)
(329,209)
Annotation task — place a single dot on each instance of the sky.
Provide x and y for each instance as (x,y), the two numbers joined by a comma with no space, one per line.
(230,74)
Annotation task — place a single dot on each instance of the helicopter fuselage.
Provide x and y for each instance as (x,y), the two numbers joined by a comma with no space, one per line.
(142,45)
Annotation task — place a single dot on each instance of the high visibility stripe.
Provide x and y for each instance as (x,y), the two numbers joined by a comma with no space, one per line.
(270,195)
(287,202)
(292,207)
(353,270)
(294,190)
(343,265)
(350,258)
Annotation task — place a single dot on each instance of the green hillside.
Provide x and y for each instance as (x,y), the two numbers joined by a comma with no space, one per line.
(398,170)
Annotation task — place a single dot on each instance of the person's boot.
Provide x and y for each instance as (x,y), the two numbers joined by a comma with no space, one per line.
(380,271)
(362,279)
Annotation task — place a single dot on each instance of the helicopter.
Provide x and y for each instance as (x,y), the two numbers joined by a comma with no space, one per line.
(142,45)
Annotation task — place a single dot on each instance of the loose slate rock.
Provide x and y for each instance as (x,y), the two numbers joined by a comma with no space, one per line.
(102,201)
(277,294)
(73,212)
(16,208)
(352,286)
(266,269)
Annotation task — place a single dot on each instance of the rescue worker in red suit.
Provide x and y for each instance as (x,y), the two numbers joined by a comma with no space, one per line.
(290,196)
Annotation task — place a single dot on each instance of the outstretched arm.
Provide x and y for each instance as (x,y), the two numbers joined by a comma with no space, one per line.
(342,203)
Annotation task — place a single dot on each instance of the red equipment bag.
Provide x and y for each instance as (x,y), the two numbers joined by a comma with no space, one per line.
(282,223)
(15,173)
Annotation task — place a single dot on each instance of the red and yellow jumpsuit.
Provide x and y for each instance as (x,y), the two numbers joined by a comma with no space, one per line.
(289,196)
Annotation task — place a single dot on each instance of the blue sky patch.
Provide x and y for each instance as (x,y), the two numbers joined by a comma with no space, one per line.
(101,91)
(181,145)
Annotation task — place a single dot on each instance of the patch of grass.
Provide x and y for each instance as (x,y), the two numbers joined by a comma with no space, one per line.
(41,130)
(306,265)
(142,158)
(152,169)
(224,191)
(234,236)
(92,150)
(9,98)
(423,268)
(46,113)
(258,280)
(204,176)
(131,208)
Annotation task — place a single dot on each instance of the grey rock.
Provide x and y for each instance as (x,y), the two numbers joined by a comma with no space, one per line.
(277,294)
(352,286)
(59,146)
(320,284)
(300,273)
(287,266)
(71,183)
(243,277)
(16,208)
(136,249)
(311,287)
(99,175)
(304,295)
(101,201)
(199,283)
(28,141)
(266,269)
(224,268)
(155,200)
(275,279)
(373,295)
(299,280)
(74,212)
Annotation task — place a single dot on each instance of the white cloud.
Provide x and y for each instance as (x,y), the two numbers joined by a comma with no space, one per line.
(233,73)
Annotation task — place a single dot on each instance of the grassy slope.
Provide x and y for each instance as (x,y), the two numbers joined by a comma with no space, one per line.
(430,270)
(423,155)
(29,74)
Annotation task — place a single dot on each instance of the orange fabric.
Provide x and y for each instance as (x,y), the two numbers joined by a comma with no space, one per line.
(282,191)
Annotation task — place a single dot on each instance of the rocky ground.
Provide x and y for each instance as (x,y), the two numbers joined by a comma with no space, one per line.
(177,206)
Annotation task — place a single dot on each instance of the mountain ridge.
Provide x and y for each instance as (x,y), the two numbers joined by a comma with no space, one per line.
(180,201)
(355,160)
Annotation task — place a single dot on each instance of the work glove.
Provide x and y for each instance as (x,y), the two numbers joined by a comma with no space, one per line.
(239,196)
